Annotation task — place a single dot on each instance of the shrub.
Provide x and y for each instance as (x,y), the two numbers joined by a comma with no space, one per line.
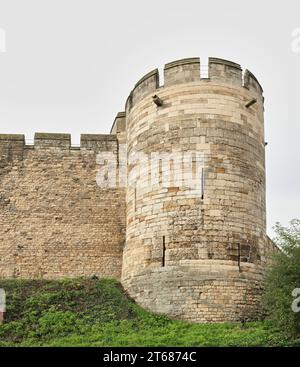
(283,278)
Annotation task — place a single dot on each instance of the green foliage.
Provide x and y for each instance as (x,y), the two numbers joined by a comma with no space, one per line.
(92,312)
(283,277)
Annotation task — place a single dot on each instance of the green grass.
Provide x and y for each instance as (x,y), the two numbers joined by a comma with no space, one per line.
(93,312)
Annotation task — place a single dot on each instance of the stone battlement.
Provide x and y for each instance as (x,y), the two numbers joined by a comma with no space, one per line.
(57,140)
(188,71)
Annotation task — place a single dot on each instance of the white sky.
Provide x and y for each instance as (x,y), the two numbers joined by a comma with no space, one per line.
(69,66)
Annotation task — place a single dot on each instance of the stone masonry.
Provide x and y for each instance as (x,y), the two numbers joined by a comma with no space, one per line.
(196,254)
(54,220)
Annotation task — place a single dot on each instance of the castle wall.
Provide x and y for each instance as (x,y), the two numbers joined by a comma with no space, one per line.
(55,221)
(197,254)
(193,252)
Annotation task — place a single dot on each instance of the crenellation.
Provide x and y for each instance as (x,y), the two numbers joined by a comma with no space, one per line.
(252,84)
(148,84)
(11,148)
(55,140)
(224,71)
(182,71)
(11,137)
(188,71)
(99,142)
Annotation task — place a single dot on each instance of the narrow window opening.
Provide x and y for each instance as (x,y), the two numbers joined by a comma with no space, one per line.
(239,256)
(160,172)
(171,176)
(202,183)
(194,167)
(164,252)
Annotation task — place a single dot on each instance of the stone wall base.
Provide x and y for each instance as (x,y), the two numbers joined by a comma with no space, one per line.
(192,295)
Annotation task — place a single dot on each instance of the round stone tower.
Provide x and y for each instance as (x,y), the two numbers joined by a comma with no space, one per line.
(196,229)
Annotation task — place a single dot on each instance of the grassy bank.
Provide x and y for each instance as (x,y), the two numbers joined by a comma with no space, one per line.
(92,312)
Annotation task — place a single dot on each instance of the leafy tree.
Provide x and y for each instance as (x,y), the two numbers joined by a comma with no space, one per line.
(283,280)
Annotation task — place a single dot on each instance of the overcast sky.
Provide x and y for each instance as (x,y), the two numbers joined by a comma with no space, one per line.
(69,66)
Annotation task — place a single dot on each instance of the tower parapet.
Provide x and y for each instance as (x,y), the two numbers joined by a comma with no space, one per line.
(182,71)
(252,83)
(185,71)
(147,84)
(224,71)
